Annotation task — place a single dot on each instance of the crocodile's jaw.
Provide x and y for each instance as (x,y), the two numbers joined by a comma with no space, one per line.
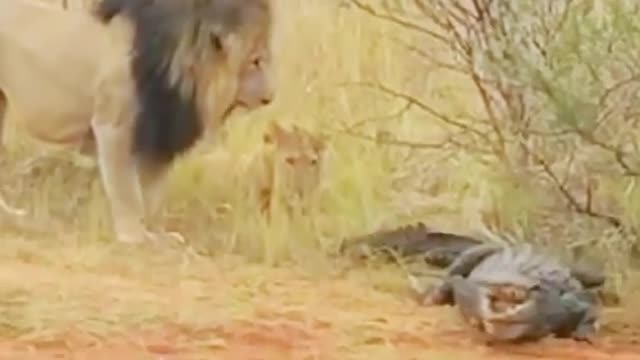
(515,323)
(504,331)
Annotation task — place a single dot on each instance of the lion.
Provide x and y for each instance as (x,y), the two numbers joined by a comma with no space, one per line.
(134,84)
(288,170)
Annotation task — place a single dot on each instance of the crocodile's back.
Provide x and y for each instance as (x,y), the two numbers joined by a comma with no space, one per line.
(522,266)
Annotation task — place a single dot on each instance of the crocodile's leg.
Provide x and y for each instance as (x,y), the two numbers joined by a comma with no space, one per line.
(571,314)
(441,257)
(470,258)
(584,312)
(587,328)
(471,299)
(442,294)
(588,277)
(545,312)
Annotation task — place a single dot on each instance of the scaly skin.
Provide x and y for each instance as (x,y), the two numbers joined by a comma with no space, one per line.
(517,294)
(436,248)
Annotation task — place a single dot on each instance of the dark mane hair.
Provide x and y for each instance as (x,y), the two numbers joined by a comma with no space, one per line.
(168,121)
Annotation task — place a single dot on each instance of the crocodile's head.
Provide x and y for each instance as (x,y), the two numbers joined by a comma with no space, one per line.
(502,313)
(516,322)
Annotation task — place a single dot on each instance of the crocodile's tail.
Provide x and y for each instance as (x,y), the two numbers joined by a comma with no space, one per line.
(396,239)
(435,247)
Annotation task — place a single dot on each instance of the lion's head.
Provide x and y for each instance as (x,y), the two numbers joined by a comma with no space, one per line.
(255,87)
(240,31)
(193,62)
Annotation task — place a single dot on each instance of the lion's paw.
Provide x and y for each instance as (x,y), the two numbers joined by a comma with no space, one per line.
(166,237)
(173,236)
(132,239)
(152,237)
(11,210)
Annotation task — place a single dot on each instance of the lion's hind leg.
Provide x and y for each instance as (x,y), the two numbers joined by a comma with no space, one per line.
(3,113)
(4,206)
(81,155)
(120,181)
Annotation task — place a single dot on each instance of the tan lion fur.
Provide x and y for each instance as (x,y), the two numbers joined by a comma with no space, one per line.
(137,82)
(288,170)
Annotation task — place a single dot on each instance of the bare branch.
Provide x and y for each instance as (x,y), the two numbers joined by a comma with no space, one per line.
(394,142)
(394,115)
(573,202)
(424,107)
(398,21)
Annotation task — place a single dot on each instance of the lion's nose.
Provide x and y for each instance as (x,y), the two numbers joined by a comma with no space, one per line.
(267,97)
(268,92)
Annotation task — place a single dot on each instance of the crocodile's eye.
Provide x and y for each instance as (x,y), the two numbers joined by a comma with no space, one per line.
(537,288)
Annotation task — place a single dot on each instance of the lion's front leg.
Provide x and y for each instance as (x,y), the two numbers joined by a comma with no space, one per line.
(120,180)
(134,191)
(154,181)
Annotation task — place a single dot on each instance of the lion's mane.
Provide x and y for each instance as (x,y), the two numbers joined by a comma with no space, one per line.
(169,38)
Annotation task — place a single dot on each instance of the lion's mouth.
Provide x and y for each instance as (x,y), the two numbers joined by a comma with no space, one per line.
(233,109)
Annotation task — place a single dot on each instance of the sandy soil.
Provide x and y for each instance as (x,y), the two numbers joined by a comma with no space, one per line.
(322,328)
(287,339)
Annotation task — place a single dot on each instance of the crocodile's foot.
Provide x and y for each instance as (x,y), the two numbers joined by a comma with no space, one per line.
(588,339)
(434,298)
(437,295)
(586,332)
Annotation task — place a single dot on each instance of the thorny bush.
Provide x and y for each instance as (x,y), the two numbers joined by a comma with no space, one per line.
(558,85)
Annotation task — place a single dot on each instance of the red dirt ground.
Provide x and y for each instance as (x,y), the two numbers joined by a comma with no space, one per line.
(273,336)
(330,319)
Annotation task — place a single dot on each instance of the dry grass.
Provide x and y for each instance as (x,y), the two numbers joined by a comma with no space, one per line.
(61,272)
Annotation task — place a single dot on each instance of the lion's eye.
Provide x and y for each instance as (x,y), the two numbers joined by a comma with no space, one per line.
(256,62)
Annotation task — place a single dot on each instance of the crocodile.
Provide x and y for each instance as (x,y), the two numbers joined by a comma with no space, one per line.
(514,293)
(434,247)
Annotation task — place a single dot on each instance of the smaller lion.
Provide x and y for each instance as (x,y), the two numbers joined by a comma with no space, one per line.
(288,172)
(133,82)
